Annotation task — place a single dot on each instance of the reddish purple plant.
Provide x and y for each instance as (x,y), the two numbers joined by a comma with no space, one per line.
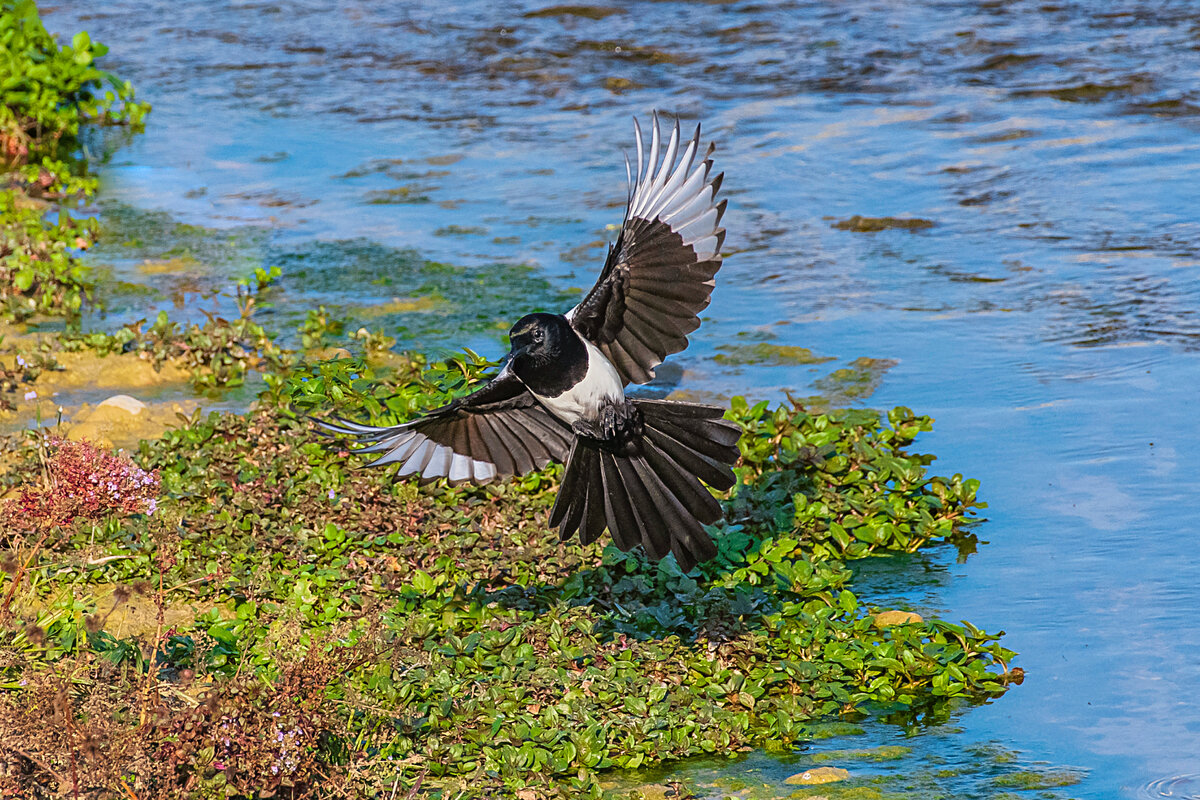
(85,484)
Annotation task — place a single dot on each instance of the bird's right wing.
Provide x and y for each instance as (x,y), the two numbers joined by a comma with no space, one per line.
(496,431)
(659,274)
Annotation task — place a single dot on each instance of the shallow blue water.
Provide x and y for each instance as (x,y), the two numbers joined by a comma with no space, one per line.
(1050,321)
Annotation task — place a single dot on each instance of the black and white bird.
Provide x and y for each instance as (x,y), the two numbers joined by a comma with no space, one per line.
(634,466)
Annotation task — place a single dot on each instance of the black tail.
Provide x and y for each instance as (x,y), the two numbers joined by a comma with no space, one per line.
(647,491)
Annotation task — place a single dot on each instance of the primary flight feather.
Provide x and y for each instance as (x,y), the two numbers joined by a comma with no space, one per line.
(634,467)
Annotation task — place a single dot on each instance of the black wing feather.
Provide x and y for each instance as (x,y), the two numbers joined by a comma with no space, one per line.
(496,431)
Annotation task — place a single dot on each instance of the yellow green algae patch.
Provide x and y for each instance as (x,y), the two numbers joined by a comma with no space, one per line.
(168,266)
(698,396)
(400,305)
(817,776)
(855,382)
(882,753)
(1038,779)
(861,224)
(767,354)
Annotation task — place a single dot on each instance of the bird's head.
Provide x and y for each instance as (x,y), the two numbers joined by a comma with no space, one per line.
(540,336)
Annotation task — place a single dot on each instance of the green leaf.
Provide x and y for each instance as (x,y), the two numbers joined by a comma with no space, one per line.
(847,601)
(423,582)
(23,280)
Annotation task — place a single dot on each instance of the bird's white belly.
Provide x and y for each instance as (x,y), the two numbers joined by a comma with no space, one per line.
(601,386)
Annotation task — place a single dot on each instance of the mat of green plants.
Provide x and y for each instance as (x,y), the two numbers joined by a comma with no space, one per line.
(238,608)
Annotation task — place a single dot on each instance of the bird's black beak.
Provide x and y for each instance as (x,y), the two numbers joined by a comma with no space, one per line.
(508,357)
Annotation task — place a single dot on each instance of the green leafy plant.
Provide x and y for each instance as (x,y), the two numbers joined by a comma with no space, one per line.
(491,658)
(49,90)
(320,326)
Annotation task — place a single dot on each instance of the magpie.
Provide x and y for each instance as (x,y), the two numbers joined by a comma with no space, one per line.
(633,465)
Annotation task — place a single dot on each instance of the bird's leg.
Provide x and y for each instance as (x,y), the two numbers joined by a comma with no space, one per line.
(594,428)
(608,422)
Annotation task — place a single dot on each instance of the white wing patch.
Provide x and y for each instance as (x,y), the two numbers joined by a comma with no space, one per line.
(674,192)
(417,454)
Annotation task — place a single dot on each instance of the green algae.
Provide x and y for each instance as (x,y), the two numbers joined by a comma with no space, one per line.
(1038,779)
(907,773)
(861,224)
(351,277)
(160,244)
(767,354)
(881,753)
(854,383)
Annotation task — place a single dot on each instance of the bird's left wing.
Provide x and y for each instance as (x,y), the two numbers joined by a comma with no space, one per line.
(496,431)
(659,274)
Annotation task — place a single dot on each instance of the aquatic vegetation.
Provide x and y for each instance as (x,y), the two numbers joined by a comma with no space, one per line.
(309,628)
(861,224)
(842,485)
(466,646)
(39,272)
(1039,779)
(345,277)
(885,753)
(48,91)
(859,380)
(768,354)
(818,776)
(940,768)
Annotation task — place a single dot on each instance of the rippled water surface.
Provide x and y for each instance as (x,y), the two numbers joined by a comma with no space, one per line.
(1049,320)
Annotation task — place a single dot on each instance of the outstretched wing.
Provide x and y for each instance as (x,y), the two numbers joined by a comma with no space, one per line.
(659,273)
(496,431)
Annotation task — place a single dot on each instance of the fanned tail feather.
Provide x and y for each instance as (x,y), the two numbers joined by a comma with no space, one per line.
(649,492)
